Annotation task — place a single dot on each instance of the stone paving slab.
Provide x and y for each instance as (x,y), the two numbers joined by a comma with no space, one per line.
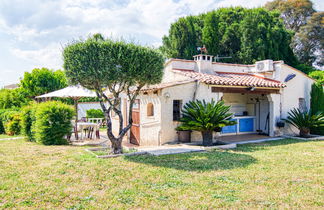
(170,151)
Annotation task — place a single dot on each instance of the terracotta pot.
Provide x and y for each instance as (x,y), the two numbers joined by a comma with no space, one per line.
(184,136)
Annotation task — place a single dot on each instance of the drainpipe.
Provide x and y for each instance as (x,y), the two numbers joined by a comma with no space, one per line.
(196,89)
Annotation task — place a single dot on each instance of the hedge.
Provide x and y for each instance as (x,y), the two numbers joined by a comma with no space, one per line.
(28,119)
(95,113)
(53,122)
(13,126)
(317,104)
(7,115)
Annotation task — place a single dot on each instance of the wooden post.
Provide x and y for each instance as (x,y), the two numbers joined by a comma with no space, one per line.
(76,118)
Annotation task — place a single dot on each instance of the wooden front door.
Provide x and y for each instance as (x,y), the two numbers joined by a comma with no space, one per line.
(135,129)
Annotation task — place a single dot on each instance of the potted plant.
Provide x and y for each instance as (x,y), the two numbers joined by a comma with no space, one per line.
(304,121)
(206,117)
(184,135)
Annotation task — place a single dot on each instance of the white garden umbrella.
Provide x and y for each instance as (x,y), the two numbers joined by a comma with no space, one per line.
(73,92)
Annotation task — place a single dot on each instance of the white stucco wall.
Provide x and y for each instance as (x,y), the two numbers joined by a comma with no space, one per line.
(150,126)
(170,76)
(298,87)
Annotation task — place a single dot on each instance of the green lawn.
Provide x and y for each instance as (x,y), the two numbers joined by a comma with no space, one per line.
(285,174)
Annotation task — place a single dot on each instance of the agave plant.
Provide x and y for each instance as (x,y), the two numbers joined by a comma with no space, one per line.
(304,121)
(205,117)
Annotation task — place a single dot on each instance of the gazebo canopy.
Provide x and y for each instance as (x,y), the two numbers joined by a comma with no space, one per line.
(74,92)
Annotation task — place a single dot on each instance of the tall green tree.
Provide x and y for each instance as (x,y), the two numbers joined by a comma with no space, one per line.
(184,38)
(293,12)
(317,104)
(41,81)
(246,35)
(112,68)
(308,43)
(308,27)
(210,34)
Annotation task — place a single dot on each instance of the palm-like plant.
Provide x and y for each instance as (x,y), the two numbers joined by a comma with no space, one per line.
(205,117)
(304,121)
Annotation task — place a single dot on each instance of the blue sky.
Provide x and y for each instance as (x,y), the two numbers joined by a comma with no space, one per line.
(33,32)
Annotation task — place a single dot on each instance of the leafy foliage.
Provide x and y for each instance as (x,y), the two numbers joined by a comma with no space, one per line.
(13,126)
(318,75)
(6,115)
(317,104)
(102,64)
(247,35)
(293,12)
(307,24)
(201,115)
(95,113)
(304,121)
(28,119)
(308,42)
(53,122)
(205,116)
(12,98)
(41,81)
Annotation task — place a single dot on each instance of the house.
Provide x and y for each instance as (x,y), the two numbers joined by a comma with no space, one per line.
(11,86)
(260,96)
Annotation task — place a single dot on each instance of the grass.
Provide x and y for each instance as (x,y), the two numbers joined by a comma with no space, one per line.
(3,136)
(282,174)
(108,151)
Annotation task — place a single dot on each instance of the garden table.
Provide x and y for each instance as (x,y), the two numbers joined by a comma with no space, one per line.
(84,125)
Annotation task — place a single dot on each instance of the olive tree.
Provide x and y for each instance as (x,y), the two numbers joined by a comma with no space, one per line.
(113,69)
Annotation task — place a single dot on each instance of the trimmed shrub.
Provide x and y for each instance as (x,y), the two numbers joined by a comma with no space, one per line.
(13,126)
(2,130)
(28,119)
(6,115)
(317,105)
(53,122)
(95,113)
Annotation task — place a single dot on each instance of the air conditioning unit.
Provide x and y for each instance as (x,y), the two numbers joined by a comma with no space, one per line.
(265,65)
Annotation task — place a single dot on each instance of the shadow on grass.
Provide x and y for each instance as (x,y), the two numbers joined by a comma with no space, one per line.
(267,145)
(216,160)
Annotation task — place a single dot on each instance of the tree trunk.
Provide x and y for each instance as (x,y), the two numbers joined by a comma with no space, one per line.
(304,132)
(207,138)
(116,146)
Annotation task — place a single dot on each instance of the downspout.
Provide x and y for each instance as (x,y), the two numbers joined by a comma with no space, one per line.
(196,89)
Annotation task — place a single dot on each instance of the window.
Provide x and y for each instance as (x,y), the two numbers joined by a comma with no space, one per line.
(176,109)
(302,104)
(150,110)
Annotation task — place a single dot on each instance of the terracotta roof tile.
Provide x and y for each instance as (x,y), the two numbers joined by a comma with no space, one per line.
(231,79)
(165,85)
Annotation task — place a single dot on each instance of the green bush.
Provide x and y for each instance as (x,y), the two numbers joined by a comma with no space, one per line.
(318,76)
(305,121)
(205,117)
(28,119)
(13,126)
(53,122)
(317,105)
(6,115)
(95,113)
(2,130)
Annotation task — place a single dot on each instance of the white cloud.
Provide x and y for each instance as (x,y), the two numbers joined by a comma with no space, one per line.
(49,56)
